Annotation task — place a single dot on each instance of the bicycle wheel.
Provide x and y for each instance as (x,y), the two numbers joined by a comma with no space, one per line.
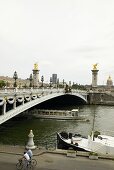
(29,167)
(19,165)
(34,162)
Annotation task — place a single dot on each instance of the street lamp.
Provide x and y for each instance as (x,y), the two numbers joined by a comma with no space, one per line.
(15,77)
(42,80)
(50,82)
(58,83)
(63,83)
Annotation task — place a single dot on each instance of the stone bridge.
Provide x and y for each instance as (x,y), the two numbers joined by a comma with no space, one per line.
(20,100)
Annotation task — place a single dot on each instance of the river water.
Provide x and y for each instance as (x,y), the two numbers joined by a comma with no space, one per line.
(15,131)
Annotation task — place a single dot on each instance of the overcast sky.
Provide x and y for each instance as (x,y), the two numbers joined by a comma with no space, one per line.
(65,37)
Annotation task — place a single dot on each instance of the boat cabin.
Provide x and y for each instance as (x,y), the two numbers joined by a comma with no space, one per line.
(74,112)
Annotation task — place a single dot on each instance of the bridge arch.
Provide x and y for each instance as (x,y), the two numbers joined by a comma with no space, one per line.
(51,96)
(60,100)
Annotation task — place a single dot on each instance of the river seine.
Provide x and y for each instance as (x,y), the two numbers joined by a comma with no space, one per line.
(15,131)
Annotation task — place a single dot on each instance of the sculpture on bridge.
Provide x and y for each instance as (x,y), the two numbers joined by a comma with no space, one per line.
(95,66)
(67,89)
(35,66)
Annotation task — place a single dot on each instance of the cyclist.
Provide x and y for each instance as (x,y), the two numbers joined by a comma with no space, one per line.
(32,161)
(25,159)
(29,152)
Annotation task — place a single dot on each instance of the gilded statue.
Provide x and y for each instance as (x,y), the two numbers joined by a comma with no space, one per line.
(35,66)
(95,66)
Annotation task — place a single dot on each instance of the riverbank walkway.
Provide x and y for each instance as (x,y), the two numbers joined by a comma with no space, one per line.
(53,159)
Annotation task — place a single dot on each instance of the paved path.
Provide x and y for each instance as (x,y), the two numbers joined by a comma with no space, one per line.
(19,150)
(57,162)
(51,161)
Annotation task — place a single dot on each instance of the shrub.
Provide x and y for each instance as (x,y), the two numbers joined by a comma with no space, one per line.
(93,153)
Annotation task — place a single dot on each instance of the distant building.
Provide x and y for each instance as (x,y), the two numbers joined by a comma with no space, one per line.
(54,78)
(10,81)
(109,82)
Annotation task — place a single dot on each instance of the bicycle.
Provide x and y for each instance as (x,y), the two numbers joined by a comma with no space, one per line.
(33,162)
(21,164)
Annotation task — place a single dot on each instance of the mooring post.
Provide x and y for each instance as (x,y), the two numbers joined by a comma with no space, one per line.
(30,144)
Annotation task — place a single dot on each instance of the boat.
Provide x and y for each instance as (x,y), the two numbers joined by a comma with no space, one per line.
(101,144)
(59,114)
(76,141)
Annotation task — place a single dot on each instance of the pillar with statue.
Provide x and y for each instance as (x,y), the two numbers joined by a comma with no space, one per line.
(35,75)
(94,75)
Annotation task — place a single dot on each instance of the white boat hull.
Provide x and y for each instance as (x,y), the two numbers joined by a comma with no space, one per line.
(102,145)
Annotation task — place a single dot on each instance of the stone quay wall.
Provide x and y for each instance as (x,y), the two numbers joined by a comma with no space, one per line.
(100,98)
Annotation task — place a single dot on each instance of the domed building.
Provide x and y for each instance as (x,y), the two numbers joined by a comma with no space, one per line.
(109,82)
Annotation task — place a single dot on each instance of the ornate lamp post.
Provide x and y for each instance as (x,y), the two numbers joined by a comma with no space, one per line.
(42,80)
(57,83)
(15,77)
(63,83)
(66,88)
(31,79)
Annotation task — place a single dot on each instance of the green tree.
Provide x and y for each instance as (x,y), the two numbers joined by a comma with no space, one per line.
(78,86)
(2,83)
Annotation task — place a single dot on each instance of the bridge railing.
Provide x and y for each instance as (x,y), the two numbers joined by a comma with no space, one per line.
(10,90)
(37,91)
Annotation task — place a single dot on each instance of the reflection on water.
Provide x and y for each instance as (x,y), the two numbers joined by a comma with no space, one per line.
(16,131)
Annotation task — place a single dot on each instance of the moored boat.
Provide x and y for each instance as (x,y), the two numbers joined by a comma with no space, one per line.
(75,141)
(101,144)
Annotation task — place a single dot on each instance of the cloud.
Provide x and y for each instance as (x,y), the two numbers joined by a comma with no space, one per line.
(65,37)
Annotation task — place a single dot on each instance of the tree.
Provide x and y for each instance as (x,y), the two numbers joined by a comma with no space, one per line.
(78,86)
(2,83)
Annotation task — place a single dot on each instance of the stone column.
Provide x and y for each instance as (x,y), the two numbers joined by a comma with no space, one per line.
(4,107)
(94,76)
(35,76)
(23,101)
(14,104)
